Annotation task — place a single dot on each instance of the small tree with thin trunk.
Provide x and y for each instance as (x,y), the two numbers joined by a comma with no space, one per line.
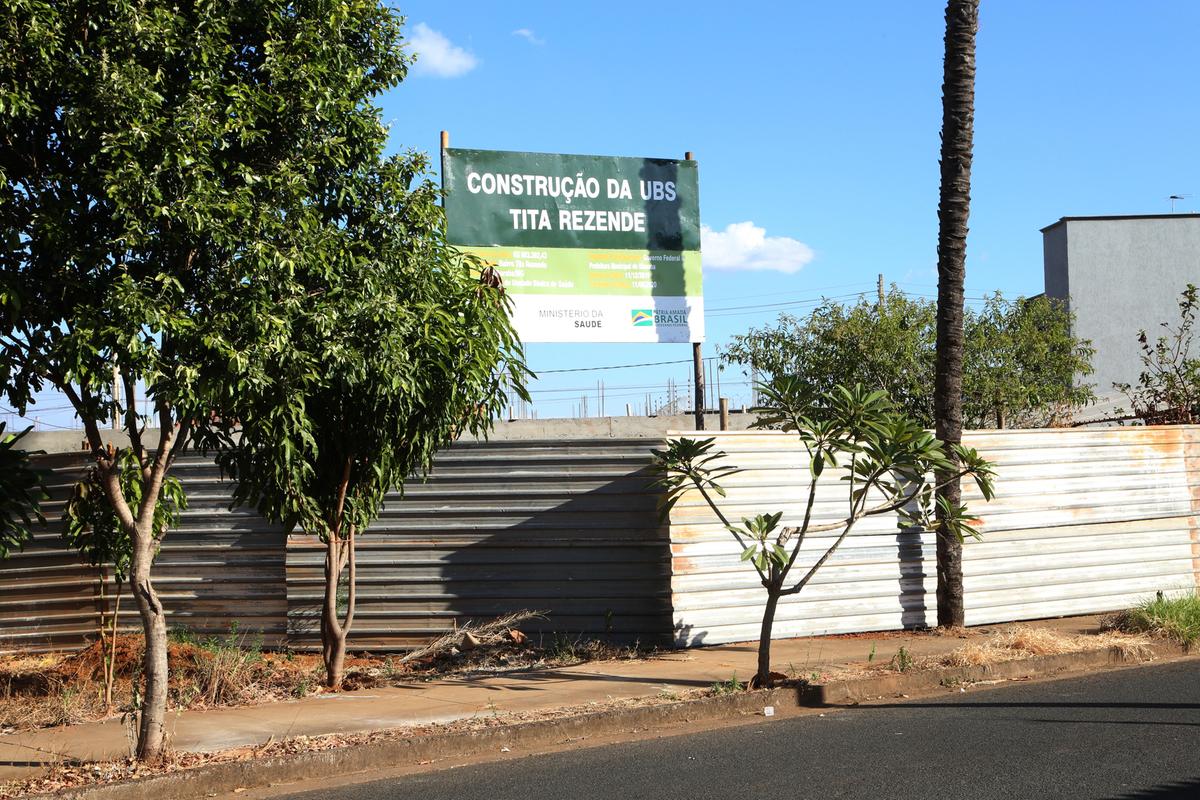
(91,526)
(397,346)
(885,459)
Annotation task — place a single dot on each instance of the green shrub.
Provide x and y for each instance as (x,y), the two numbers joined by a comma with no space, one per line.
(1176,617)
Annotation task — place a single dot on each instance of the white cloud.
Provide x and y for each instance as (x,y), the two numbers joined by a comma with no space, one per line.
(528,35)
(744,245)
(438,56)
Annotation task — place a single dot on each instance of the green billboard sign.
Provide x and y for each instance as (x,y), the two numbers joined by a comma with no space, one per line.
(591,248)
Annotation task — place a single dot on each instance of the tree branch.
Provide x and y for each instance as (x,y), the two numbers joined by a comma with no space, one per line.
(725,521)
(812,496)
(351,589)
(820,562)
(332,577)
(335,524)
(131,420)
(885,507)
(153,480)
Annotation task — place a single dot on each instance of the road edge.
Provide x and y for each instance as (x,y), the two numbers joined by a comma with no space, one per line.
(226,777)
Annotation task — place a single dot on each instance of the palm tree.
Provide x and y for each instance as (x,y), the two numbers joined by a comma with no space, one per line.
(954,206)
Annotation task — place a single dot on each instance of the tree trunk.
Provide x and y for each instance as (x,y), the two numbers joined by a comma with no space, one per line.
(335,660)
(958,112)
(139,524)
(110,669)
(763,677)
(339,555)
(151,731)
(333,639)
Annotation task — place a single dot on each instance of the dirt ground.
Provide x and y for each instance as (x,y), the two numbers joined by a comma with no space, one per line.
(47,689)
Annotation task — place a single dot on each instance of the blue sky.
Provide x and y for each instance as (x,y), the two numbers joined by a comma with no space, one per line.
(818,123)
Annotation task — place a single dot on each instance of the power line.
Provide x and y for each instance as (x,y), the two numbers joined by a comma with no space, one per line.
(555,400)
(761,306)
(731,311)
(587,389)
(728,311)
(806,291)
(42,423)
(540,372)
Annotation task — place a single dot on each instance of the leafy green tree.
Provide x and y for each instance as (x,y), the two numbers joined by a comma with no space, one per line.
(401,346)
(165,172)
(1022,366)
(885,346)
(1021,369)
(91,526)
(885,458)
(1168,389)
(21,493)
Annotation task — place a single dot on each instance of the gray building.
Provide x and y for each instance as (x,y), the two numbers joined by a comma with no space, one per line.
(1121,274)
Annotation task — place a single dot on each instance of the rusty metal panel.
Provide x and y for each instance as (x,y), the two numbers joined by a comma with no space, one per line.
(1086,521)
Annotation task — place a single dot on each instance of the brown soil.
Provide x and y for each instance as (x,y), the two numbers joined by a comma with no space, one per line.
(43,690)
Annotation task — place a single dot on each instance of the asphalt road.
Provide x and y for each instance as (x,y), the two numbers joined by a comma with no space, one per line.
(1125,734)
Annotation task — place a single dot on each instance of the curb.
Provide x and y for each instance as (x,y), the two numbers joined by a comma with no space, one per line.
(205,781)
(225,777)
(851,692)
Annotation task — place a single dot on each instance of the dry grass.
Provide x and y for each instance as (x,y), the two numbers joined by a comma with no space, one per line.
(1023,642)
(66,688)
(46,690)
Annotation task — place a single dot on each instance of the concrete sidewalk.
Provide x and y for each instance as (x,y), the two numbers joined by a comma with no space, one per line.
(451,699)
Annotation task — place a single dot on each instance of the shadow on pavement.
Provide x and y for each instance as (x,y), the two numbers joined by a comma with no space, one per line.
(971,705)
(1180,790)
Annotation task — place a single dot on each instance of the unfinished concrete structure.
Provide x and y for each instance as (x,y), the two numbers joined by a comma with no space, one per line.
(1121,274)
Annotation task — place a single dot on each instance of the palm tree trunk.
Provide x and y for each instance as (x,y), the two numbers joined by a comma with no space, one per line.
(954,206)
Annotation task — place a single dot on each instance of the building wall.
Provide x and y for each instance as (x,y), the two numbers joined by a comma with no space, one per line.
(1054,259)
(1122,275)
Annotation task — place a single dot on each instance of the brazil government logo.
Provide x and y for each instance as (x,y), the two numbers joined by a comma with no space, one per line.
(642,318)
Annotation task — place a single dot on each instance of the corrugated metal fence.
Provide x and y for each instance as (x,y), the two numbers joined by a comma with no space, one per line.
(569,527)
(1085,521)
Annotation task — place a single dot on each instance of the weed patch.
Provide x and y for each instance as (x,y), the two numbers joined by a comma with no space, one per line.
(902,661)
(1176,618)
(731,686)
